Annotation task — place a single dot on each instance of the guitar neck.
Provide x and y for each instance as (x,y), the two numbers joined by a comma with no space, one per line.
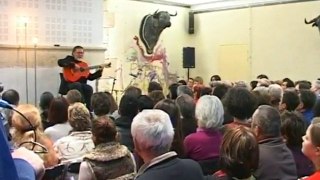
(93,67)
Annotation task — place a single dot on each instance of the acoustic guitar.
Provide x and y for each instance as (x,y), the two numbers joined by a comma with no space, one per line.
(73,75)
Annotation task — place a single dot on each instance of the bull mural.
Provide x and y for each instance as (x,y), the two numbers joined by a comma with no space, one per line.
(314,22)
(151,27)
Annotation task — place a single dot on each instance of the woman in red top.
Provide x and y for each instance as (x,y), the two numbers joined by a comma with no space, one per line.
(311,148)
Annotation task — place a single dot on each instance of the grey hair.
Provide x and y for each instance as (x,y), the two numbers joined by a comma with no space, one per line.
(209,112)
(267,118)
(152,130)
(184,89)
(261,89)
(275,91)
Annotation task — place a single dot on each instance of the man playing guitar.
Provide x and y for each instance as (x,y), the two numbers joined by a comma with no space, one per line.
(76,73)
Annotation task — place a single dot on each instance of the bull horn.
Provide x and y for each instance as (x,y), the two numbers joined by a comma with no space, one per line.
(173,14)
(312,21)
(156,11)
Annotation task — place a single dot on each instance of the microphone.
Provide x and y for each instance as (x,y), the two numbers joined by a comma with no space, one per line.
(5,104)
(133,75)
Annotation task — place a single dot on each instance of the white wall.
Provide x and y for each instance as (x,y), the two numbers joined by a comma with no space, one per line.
(280,44)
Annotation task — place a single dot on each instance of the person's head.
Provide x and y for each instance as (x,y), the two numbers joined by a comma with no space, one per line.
(152,132)
(220,90)
(275,92)
(316,86)
(253,84)
(293,128)
(74,96)
(45,100)
(239,152)
(153,86)
(307,100)
(262,76)
(100,103)
(262,95)
(184,89)
(205,91)
(31,113)
(78,52)
(311,143)
(290,101)
(133,91)
(58,110)
(103,130)
(263,82)
(190,82)
(182,82)
(187,106)
(173,91)
(209,112)
(215,78)
(145,102)
(303,84)
(11,96)
(266,122)
(240,103)
(198,81)
(287,83)
(129,106)
(113,103)
(156,96)
(168,106)
(79,117)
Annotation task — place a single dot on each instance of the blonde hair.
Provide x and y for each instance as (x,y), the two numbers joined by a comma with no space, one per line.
(79,117)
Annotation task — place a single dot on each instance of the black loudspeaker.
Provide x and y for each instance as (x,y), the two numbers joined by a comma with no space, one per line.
(191,23)
(189,57)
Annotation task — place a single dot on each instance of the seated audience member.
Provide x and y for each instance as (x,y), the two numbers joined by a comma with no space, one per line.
(197,87)
(262,95)
(12,97)
(74,96)
(239,154)
(310,148)
(58,117)
(173,91)
(205,143)
(109,159)
(190,83)
(205,91)
(156,96)
(45,101)
(253,84)
(145,102)
(187,108)
(168,106)
(263,82)
(240,103)
(293,128)
(273,153)
(153,86)
(215,78)
(182,82)
(100,104)
(303,84)
(113,103)
(220,90)
(73,147)
(315,87)
(153,134)
(23,132)
(128,109)
(287,84)
(290,101)
(184,89)
(307,102)
(275,93)
(262,76)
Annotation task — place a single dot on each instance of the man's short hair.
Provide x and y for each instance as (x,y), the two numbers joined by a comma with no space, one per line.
(11,96)
(267,118)
(152,131)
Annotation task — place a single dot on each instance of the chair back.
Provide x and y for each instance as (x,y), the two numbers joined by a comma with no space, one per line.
(55,173)
(209,166)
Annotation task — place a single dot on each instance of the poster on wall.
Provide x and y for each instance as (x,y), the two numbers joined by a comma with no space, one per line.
(51,22)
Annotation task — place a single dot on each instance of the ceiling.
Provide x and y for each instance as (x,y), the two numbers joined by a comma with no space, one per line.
(198,6)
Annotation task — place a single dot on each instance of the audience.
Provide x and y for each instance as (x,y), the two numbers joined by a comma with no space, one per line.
(153,133)
(23,133)
(58,117)
(73,147)
(307,102)
(239,154)
(74,96)
(100,104)
(45,101)
(109,159)
(293,128)
(273,152)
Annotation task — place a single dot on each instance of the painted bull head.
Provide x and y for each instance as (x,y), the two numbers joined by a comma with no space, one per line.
(151,27)
(314,22)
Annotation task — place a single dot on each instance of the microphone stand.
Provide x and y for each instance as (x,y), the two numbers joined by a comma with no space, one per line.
(113,83)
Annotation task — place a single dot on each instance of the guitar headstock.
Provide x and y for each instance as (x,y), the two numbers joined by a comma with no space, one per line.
(106,65)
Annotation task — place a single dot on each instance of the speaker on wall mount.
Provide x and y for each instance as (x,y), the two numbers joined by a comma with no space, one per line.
(191,23)
(189,57)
